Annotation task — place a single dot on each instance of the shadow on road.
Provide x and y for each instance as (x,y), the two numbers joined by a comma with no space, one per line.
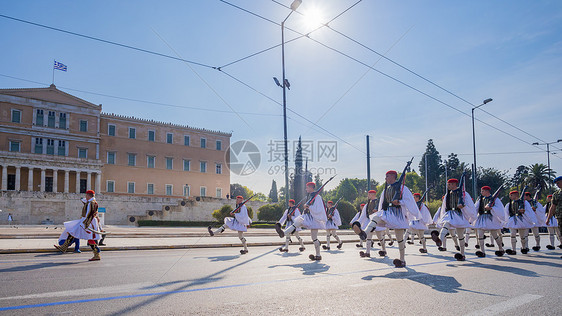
(311,268)
(38,266)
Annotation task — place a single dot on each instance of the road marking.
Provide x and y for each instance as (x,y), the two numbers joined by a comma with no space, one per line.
(506,305)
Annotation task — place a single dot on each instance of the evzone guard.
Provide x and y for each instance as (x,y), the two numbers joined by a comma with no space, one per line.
(332,225)
(418,226)
(490,217)
(361,223)
(87,227)
(552,226)
(238,223)
(396,207)
(289,215)
(539,215)
(452,233)
(362,220)
(313,218)
(457,211)
(520,218)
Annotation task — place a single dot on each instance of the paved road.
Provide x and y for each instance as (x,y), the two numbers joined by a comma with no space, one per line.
(221,281)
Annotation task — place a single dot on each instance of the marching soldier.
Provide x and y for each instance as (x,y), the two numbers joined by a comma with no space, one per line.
(490,217)
(540,216)
(332,225)
(288,216)
(418,226)
(238,223)
(556,206)
(520,218)
(362,220)
(552,226)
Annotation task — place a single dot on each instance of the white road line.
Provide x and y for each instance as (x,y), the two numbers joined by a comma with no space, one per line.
(505,305)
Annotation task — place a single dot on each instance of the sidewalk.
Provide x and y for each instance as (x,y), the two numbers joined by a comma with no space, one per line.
(41,238)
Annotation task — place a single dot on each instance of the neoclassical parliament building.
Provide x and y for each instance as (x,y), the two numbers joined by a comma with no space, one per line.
(52,141)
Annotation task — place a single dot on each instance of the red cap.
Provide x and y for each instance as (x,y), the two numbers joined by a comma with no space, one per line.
(453,180)
(443,197)
(91,192)
(549,196)
(372,191)
(362,204)
(292,201)
(417,194)
(514,192)
(330,202)
(528,193)
(240,197)
(311,184)
(486,188)
(392,172)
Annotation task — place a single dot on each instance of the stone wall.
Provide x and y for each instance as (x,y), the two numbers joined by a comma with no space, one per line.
(55,208)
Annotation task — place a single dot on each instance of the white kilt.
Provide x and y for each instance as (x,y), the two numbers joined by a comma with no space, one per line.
(418,224)
(394,218)
(289,223)
(455,220)
(518,221)
(553,222)
(306,220)
(487,221)
(77,229)
(233,224)
(331,225)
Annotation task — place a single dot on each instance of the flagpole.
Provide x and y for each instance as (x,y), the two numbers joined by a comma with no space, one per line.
(53,72)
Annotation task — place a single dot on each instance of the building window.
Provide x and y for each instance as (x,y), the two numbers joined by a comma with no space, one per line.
(39,117)
(219,145)
(61,150)
(16,116)
(219,193)
(62,120)
(203,143)
(203,166)
(203,191)
(186,140)
(186,190)
(110,186)
(130,187)
(169,163)
(111,130)
(132,159)
(169,138)
(82,153)
(51,119)
(14,146)
(150,188)
(132,132)
(169,189)
(150,161)
(83,125)
(38,145)
(151,135)
(50,146)
(219,168)
(110,158)
(186,165)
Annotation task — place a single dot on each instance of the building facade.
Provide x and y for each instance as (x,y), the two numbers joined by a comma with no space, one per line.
(51,141)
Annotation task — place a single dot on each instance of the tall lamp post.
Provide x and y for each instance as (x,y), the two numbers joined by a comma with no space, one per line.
(285,85)
(548,154)
(474,184)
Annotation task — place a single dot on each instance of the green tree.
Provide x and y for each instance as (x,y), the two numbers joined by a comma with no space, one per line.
(237,189)
(434,166)
(221,213)
(492,178)
(347,190)
(539,175)
(259,197)
(273,195)
(519,176)
(347,211)
(270,212)
(414,182)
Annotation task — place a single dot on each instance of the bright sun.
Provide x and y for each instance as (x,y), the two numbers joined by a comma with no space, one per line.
(313,17)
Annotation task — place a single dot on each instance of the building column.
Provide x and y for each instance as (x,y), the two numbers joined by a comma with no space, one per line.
(77,182)
(98,182)
(88,180)
(18,178)
(66,180)
(30,179)
(43,179)
(5,177)
(55,180)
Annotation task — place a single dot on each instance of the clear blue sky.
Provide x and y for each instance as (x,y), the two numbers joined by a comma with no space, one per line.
(510,51)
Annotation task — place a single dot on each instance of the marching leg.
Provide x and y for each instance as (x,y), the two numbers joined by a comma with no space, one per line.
(301,242)
(455,239)
(286,247)
(400,263)
(524,236)
(243,240)
(535,231)
(77,245)
(467,237)
(62,248)
(387,232)
(480,236)
(94,245)
(407,236)
(327,246)
(551,236)
(217,231)
(421,236)
(367,252)
(316,242)
(491,244)
(340,243)
(380,237)
(559,235)
(460,256)
(497,235)
(443,237)
(513,235)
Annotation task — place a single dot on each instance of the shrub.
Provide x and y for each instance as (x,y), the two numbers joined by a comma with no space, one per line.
(347,211)
(225,210)
(270,212)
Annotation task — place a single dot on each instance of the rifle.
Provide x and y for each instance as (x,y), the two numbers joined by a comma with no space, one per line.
(333,209)
(535,198)
(318,191)
(297,206)
(401,181)
(237,210)
(419,203)
(521,201)
(495,196)
(461,187)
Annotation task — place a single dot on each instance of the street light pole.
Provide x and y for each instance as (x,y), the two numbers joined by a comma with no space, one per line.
(285,84)
(548,155)
(474,184)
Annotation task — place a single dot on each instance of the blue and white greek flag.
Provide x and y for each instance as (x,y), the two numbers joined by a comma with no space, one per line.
(60,66)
